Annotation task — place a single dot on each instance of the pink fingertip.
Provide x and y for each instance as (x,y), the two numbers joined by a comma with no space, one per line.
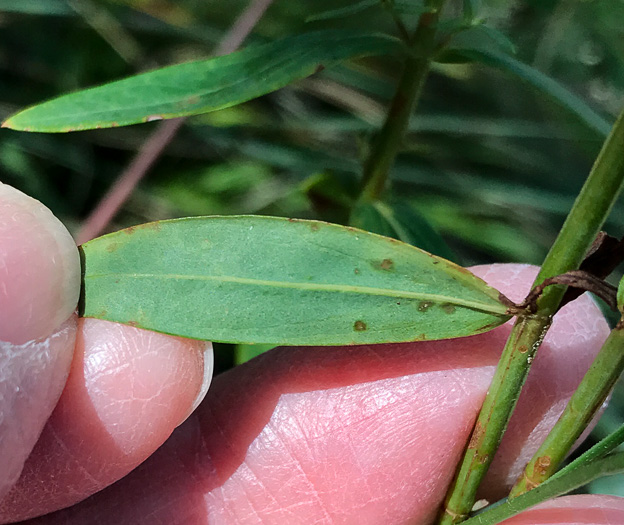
(39,269)
(126,392)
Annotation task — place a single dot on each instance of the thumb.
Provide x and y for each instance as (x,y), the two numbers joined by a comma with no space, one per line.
(39,286)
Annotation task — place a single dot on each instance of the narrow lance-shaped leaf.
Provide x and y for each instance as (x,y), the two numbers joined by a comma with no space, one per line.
(620,296)
(399,220)
(477,46)
(37,7)
(248,279)
(202,86)
(343,12)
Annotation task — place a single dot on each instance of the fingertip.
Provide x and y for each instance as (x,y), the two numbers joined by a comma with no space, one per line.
(32,377)
(126,392)
(39,269)
(208,370)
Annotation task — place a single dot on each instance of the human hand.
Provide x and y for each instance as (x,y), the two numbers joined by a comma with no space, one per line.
(126,391)
(327,435)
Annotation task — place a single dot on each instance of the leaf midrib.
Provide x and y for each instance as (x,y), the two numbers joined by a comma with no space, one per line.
(337,288)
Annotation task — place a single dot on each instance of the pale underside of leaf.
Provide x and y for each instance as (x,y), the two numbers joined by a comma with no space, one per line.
(270,280)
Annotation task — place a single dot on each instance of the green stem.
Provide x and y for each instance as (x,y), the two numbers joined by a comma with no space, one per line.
(415,71)
(583,223)
(591,465)
(557,486)
(582,407)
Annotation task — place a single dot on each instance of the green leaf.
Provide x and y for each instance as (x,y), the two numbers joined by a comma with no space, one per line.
(407,7)
(534,78)
(476,36)
(36,7)
(399,220)
(202,86)
(243,353)
(248,279)
(344,12)
(620,296)
(471,8)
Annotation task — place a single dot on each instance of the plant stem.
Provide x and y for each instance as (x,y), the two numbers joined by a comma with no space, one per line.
(572,479)
(415,71)
(583,223)
(590,465)
(583,405)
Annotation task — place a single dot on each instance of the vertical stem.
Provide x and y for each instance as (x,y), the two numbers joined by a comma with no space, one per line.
(583,223)
(500,400)
(591,208)
(583,405)
(416,69)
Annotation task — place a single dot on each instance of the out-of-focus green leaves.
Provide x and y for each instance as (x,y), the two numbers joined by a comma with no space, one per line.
(37,7)
(353,9)
(399,220)
(407,7)
(620,296)
(477,36)
(471,9)
(471,45)
(200,87)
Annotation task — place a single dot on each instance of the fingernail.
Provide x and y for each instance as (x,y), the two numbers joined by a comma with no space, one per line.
(208,371)
(39,269)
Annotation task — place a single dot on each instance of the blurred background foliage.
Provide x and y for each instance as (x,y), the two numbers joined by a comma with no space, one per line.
(490,165)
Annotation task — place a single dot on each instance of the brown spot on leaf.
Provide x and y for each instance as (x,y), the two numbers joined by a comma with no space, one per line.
(359,326)
(488,327)
(134,324)
(152,226)
(423,306)
(386,264)
(448,308)
(356,271)
(314,227)
(112,247)
(523,349)
(192,100)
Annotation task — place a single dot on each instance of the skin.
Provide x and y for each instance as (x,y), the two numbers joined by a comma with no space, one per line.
(366,434)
